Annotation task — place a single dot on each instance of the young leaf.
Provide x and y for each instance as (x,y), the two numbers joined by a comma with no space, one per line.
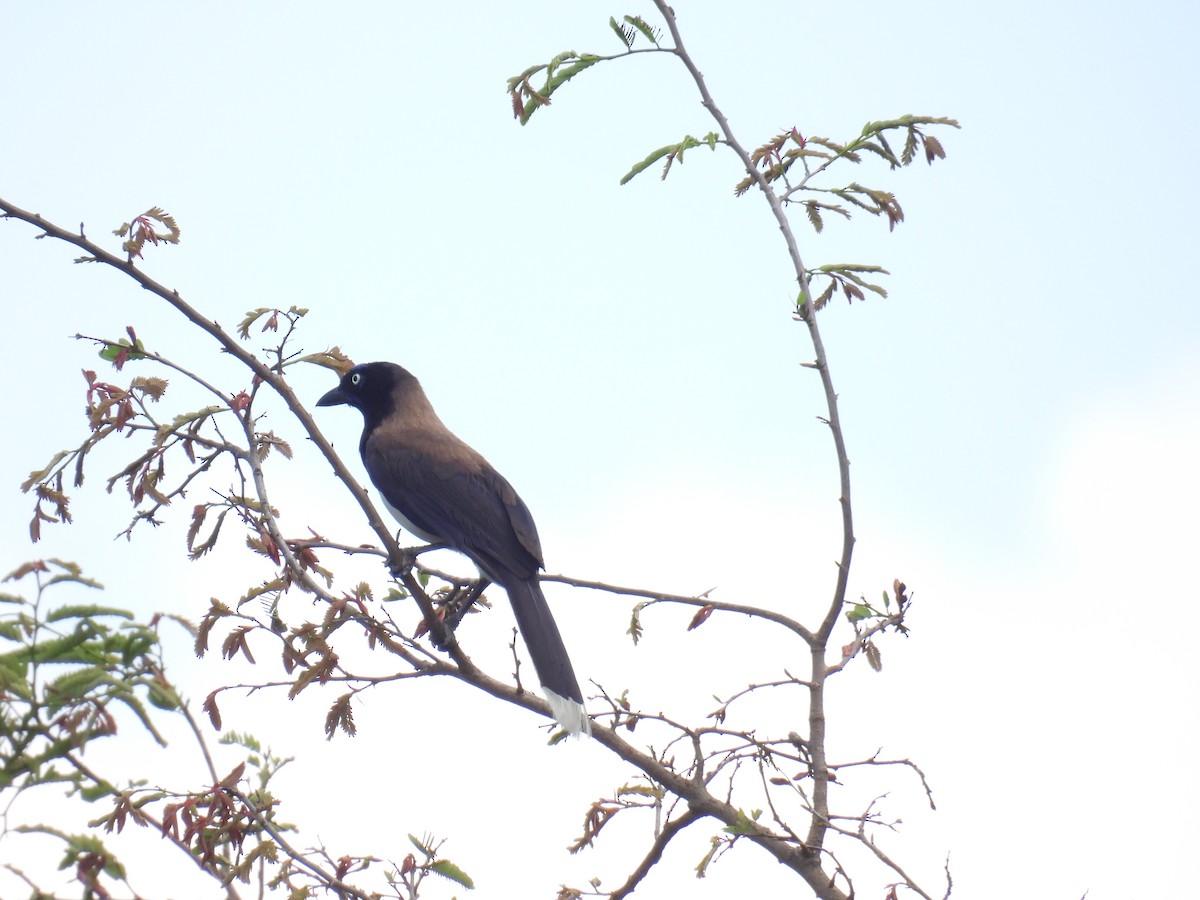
(447,869)
(651,33)
(526,99)
(933,149)
(635,624)
(341,715)
(143,715)
(672,153)
(40,475)
(333,358)
(85,611)
(153,388)
(858,612)
(163,696)
(874,657)
(425,845)
(700,617)
(625,34)
(814,215)
(214,712)
(243,328)
(824,296)
(745,825)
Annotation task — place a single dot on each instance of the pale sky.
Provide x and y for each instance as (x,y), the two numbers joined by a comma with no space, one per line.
(1021,411)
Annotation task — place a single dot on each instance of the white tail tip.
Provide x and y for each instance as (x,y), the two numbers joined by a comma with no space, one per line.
(569,714)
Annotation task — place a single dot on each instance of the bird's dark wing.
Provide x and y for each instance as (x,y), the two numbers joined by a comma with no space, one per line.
(449,491)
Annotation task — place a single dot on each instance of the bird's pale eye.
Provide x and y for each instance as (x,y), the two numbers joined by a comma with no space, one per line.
(355,379)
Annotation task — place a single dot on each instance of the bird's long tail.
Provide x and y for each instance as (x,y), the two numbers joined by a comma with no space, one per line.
(549,655)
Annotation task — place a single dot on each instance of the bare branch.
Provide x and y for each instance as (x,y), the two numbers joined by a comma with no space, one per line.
(654,855)
(659,597)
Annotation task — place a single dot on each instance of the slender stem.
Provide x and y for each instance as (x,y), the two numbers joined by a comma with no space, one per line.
(668,832)
(264,372)
(326,879)
(96,779)
(816,717)
(659,597)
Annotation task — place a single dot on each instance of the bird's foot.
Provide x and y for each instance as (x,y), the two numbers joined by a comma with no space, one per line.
(457,606)
(401,563)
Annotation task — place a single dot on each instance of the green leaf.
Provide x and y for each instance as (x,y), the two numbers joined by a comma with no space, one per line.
(247,740)
(849,271)
(881,149)
(649,32)
(639,168)
(122,349)
(69,648)
(447,869)
(859,612)
(562,76)
(745,824)
(672,153)
(86,611)
(702,866)
(558,73)
(93,791)
(14,675)
(852,267)
(75,686)
(873,128)
(162,696)
(72,576)
(140,711)
(626,35)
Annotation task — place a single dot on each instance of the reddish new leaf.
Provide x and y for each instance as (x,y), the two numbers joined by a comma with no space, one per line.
(214,716)
(230,781)
(340,715)
(700,617)
(236,643)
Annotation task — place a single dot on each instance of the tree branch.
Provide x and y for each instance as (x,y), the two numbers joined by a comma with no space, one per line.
(816,718)
(659,597)
(664,837)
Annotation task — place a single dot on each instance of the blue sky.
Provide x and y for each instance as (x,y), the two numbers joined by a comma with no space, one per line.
(1021,411)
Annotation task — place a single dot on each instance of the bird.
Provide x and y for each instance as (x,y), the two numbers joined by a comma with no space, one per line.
(443,491)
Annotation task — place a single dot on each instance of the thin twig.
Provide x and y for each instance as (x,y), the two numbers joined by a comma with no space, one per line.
(654,854)
(659,597)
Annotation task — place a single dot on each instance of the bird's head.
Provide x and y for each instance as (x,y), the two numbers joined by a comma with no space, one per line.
(371,388)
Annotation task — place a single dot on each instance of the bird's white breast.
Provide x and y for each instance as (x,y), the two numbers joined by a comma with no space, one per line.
(408,525)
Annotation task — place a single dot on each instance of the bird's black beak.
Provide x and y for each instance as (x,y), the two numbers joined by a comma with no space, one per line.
(333,398)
